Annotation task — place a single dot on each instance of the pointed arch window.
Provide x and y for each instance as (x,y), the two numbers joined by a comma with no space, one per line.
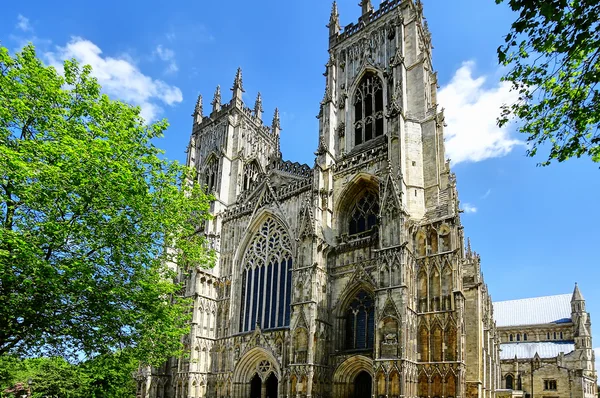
(360,322)
(368,109)
(267,279)
(251,172)
(211,172)
(363,216)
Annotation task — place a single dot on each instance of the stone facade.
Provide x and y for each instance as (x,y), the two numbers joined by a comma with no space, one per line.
(350,278)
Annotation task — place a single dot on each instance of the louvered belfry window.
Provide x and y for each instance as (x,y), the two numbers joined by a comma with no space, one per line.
(267,279)
(363,215)
(360,322)
(368,109)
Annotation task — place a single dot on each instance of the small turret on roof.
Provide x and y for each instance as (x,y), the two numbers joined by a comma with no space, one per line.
(577,296)
(237,88)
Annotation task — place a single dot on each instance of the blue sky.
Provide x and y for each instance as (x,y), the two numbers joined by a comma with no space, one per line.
(536,229)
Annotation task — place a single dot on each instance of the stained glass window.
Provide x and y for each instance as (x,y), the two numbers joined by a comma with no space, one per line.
(267,279)
(360,322)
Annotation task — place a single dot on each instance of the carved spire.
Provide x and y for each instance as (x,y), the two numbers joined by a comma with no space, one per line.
(216,102)
(334,20)
(237,88)
(577,296)
(367,7)
(258,109)
(198,110)
(276,125)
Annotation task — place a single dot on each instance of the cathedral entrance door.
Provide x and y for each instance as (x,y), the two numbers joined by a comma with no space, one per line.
(362,385)
(272,383)
(255,387)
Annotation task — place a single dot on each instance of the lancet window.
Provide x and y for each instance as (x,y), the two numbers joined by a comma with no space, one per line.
(251,172)
(211,172)
(363,216)
(368,109)
(267,279)
(360,322)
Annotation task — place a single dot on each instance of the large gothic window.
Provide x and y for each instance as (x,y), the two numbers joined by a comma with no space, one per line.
(363,215)
(211,171)
(267,279)
(360,322)
(368,109)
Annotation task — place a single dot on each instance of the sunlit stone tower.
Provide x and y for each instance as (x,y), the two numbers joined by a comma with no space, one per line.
(350,278)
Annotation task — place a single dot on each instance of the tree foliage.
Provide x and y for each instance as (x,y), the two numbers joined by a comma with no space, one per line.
(553,51)
(88,206)
(106,376)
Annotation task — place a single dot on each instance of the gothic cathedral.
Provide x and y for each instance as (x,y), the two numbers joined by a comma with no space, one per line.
(350,278)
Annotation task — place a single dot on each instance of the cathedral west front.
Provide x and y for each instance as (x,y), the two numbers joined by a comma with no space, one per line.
(350,278)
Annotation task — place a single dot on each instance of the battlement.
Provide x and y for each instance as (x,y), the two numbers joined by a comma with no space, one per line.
(384,8)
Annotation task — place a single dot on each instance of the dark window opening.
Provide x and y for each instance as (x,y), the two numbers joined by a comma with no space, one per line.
(509,382)
(363,216)
(368,109)
(360,322)
(550,385)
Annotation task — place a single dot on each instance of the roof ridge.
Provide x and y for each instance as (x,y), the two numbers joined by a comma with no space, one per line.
(533,298)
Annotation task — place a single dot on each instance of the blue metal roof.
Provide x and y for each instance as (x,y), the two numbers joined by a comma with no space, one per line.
(545,349)
(533,311)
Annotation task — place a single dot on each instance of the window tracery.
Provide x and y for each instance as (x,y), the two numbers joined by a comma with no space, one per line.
(211,171)
(360,322)
(267,279)
(251,172)
(363,216)
(368,109)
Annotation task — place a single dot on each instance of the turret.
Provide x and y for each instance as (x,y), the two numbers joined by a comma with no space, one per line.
(237,88)
(258,109)
(577,303)
(198,110)
(216,102)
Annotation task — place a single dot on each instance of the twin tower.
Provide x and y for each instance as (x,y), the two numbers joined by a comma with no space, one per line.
(349,278)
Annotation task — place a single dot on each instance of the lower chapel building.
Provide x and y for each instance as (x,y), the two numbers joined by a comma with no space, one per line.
(351,278)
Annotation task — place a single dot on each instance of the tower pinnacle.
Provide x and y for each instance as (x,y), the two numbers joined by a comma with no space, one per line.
(258,109)
(198,110)
(367,7)
(216,102)
(237,88)
(276,125)
(334,20)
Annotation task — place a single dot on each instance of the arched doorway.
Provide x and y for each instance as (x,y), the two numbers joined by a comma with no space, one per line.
(272,384)
(255,387)
(362,385)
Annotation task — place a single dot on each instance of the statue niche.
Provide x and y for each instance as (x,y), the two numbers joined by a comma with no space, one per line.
(389,338)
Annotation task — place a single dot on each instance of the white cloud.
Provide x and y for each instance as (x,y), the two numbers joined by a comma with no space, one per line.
(168,56)
(597,355)
(469,208)
(471,111)
(23,24)
(486,194)
(119,77)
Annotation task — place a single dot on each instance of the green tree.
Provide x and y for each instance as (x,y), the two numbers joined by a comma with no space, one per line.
(553,52)
(88,206)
